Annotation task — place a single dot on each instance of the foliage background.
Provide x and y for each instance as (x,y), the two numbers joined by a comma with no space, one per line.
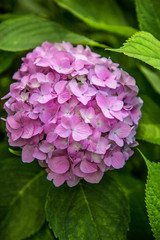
(124,205)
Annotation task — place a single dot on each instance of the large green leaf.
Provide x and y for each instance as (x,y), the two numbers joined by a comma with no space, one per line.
(152,77)
(153,196)
(23,190)
(6,59)
(30,31)
(149,126)
(143,46)
(88,211)
(148,14)
(104,15)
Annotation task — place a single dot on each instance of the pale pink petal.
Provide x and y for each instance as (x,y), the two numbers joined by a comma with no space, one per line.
(123,131)
(62,132)
(12,122)
(59,164)
(38,154)
(27,153)
(88,167)
(60,86)
(102,146)
(81,131)
(28,130)
(108,160)
(94,177)
(118,160)
(64,96)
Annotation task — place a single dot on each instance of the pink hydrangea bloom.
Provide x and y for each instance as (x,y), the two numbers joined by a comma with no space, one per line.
(75,112)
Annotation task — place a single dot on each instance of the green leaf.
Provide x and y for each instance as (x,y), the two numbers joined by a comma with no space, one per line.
(23,190)
(27,32)
(6,59)
(139,227)
(152,77)
(149,16)
(88,211)
(149,126)
(153,196)
(43,234)
(143,46)
(15,152)
(104,16)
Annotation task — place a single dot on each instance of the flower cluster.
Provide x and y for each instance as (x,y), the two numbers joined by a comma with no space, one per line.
(74,111)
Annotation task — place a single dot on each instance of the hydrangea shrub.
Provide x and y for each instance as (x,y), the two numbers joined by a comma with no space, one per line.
(74,111)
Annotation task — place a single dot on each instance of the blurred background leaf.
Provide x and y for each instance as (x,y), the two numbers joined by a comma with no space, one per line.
(23,190)
(148,14)
(94,14)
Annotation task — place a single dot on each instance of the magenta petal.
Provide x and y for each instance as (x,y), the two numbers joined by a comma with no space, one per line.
(59,164)
(28,130)
(15,134)
(12,122)
(62,132)
(39,155)
(59,180)
(118,160)
(94,177)
(88,167)
(27,153)
(108,160)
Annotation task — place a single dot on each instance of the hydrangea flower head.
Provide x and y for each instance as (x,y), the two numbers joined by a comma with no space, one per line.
(74,111)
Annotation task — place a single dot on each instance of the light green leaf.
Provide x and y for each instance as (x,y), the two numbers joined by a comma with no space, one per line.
(43,234)
(27,32)
(88,211)
(143,46)
(153,196)
(148,14)
(105,15)
(6,59)
(15,152)
(23,190)
(152,77)
(149,126)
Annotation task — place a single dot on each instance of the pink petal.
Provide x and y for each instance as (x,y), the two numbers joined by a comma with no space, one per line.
(64,96)
(108,160)
(27,153)
(118,160)
(28,130)
(39,155)
(94,177)
(81,131)
(88,167)
(59,164)
(62,132)
(102,146)
(17,133)
(102,72)
(98,82)
(60,86)
(12,122)
(123,131)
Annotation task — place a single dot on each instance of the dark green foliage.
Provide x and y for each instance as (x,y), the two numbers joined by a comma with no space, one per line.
(95,212)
